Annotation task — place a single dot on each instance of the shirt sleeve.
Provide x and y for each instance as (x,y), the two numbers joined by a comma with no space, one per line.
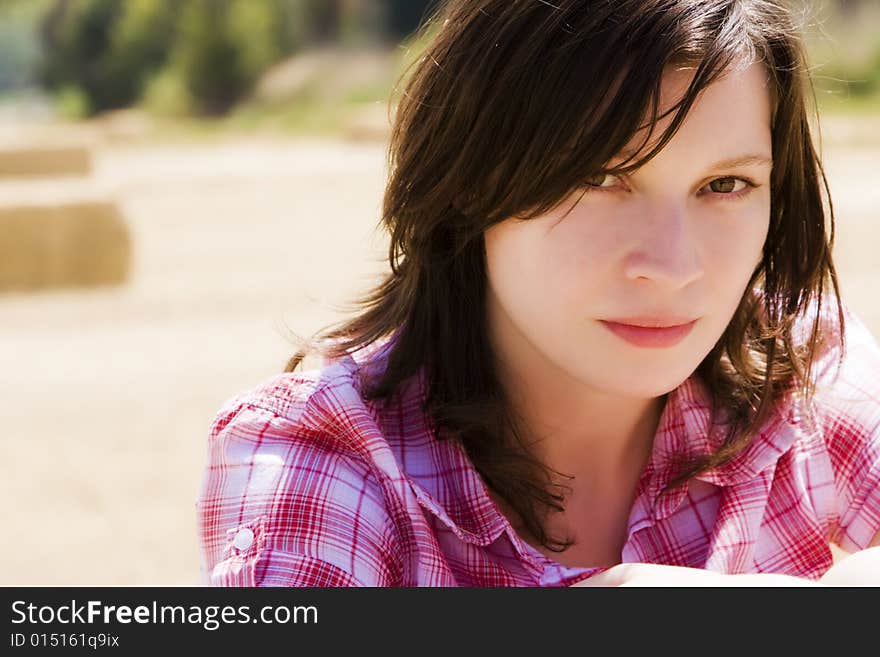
(850,419)
(282,505)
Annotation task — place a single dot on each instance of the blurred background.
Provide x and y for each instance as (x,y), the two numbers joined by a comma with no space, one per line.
(185,182)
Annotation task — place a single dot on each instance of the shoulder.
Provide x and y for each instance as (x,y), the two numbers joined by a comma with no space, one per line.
(290,495)
(300,416)
(323,408)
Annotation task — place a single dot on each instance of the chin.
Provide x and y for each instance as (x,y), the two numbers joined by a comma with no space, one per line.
(643,389)
(644,384)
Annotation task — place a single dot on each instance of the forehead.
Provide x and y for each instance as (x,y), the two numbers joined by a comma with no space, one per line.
(735,108)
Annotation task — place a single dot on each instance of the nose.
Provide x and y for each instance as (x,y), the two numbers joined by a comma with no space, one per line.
(665,251)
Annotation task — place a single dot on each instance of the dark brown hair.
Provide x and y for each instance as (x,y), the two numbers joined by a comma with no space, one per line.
(514,105)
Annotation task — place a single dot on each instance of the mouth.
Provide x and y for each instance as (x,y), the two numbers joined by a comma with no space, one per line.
(651,332)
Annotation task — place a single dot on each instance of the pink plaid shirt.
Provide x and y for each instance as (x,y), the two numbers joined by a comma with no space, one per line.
(307,485)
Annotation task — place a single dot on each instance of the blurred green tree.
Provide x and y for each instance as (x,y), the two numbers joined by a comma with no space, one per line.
(19,44)
(77,36)
(321,19)
(405,16)
(206,57)
(106,48)
(211,51)
(254,29)
(223,47)
(141,41)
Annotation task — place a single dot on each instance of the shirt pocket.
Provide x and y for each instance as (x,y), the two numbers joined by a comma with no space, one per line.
(243,554)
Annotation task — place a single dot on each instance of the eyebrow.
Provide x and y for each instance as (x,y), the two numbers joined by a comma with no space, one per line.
(749,159)
(744,161)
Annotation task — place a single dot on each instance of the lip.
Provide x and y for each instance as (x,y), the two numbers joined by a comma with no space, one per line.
(651,332)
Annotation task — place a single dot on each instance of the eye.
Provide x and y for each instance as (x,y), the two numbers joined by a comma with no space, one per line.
(598,180)
(730,187)
(726,185)
(727,188)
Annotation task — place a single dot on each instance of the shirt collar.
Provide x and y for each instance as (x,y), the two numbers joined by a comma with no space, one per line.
(683,431)
(460,500)
(440,473)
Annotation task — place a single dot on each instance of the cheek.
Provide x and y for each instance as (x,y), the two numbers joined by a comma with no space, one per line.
(545,273)
(517,270)
(732,251)
(733,245)
(556,255)
(583,249)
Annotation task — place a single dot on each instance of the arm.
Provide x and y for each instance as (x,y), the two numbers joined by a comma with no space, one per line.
(649,574)
(282,505)
(861,568)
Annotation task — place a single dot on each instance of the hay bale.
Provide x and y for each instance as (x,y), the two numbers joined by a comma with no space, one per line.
(32,161)
(68,245)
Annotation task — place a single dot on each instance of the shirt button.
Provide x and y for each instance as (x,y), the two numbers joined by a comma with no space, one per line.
(243,539)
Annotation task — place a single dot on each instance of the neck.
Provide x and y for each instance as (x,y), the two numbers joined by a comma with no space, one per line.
(583,432)
(572,427)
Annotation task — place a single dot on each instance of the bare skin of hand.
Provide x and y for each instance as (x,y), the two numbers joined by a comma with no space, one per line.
(649,574)
(860,568)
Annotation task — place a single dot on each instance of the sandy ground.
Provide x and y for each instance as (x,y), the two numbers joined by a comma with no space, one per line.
(108,394)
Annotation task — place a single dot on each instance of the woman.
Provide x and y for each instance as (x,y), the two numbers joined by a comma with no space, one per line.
(611,346)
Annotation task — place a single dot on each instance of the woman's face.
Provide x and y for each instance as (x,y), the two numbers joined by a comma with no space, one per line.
(673,242)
